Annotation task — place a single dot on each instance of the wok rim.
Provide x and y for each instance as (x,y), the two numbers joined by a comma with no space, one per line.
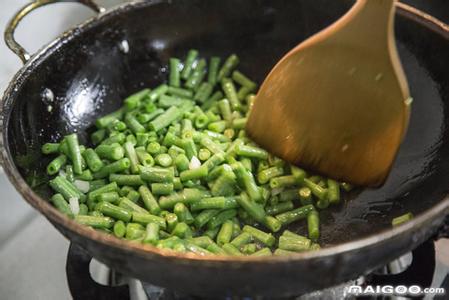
(432,215)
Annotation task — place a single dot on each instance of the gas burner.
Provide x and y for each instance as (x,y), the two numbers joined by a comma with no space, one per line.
(414,268)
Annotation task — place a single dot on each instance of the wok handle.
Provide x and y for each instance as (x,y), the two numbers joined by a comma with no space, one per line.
(24,11)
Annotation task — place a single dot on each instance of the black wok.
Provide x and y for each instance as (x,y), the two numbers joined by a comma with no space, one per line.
(88,73)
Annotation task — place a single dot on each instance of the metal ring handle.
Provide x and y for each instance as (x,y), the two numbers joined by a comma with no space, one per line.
(24,11)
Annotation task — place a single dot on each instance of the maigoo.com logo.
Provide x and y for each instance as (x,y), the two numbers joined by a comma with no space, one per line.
(399,290)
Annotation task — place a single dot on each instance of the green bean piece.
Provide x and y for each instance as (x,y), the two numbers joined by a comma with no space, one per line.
(175,72)
(165,119)
(111,152)
(295,215)
(251,152)
(272,223)
(240,123)
(115,167)
(163,159)
(229,65)
(187,196)
(402,219)
(133,195)
(231,250)
(246,179)
(131,154)
(191,247)
(133,101)
(262,252)
(283,181)
(221,217)
(194,174)
(154,148)
(244,81)
(75,153)
(182,163)
(204,154)
(190,148)
(114,211)
(50,148)
(104,121)
(118,138)
(119,229)
(148,200)
(242,93)
(318,191)
(188,64)
(95,222)
(111,187)
(212,101)
(182,230)
(204,217)
(56,164)
(111,197)
(157,92)
(214,65)
(98,136)
(313,225)
(92,159)
(134,231)
(156,174)
(125,190)
(61,204)
(130,180)
(279,208)
(249,249)
(314,247)
(225,234)
(168,101)
(202,241)
(242,239)
(215,249)
(323,203)
(146,218)
(255,210)
(231,94)
(214,203)
(281,252)
(225,110)
(130,205)
(144,158)
(292,244)
(203,93)
(183,213)
(83,209)
(289,195)
(180,92)
(142,139)
(151,234)
(172,221)
(305,195)
(218,126)
(298,173)
(263,237)
(197,76)
(333,189)
(66,189)
(225,185)
(162,188)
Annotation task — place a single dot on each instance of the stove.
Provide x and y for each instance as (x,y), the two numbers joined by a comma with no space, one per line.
(90,280)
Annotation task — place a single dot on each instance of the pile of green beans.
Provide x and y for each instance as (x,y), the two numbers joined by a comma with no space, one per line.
(173,168)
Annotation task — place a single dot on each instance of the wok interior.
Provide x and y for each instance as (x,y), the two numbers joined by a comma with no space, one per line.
(91,74)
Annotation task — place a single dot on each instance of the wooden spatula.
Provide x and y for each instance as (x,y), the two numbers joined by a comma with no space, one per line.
(338,103)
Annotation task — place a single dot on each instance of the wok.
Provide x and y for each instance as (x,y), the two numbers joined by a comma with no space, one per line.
(87,71)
